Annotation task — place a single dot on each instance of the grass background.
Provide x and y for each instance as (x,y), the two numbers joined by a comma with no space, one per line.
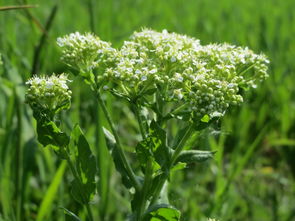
(252,175)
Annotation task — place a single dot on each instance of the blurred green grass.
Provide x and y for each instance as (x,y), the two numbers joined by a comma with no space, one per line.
(252,175)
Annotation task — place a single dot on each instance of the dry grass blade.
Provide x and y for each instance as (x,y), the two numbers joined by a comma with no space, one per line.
(14,7)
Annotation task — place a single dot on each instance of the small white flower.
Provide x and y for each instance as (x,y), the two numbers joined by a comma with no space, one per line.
(49,84)
(138,71)
(153,71)
(173,59)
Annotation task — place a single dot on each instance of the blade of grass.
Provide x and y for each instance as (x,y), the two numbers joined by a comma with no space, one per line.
(18,160)
(46,205)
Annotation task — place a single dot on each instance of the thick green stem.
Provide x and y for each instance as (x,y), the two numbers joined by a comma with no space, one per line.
(77,177)
(165,175)
(145,190)
(123,158)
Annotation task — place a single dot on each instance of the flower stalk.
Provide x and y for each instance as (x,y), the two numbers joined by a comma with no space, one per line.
(119,147)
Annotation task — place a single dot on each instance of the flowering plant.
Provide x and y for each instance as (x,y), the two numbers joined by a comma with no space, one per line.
(163,76)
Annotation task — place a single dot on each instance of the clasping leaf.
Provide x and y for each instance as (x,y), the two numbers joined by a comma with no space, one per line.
(85,166)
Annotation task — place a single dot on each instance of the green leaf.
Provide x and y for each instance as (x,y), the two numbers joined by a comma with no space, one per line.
(154,147)
(179,136)
(192,156)
(162,212)
(111,144)
(206,121)
(178,166)
(49,135)
(205,118)
(85,166)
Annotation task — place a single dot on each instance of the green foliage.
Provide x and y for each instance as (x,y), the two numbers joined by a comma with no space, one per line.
(192,156)
(46,205)
(83,189)
(154,148)
(163,213)
(49,135)
(263,186)
(111,144)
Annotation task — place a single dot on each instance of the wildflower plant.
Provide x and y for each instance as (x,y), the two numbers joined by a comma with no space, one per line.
(167,76)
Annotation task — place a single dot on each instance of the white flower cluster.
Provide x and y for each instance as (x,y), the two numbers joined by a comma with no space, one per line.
(85,52)
(206,78)
(49,94)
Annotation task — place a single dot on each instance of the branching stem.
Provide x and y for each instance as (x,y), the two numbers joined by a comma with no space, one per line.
(165,175)
(123,158)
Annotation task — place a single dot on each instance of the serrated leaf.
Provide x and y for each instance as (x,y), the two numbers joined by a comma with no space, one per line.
(192,156)
(111,144)
(162,212)
(85,166)
(154,147)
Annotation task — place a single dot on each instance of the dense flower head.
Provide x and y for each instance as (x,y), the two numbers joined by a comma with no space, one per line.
(85,51)
(166,47)
(206,79)
(133,67)
(203,79)
(48,94)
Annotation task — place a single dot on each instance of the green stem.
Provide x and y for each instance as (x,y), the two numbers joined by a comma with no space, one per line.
(140,122)
(165,175)
(145,190)
(162,180)
(77,177)
(123,158)
(181,143)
